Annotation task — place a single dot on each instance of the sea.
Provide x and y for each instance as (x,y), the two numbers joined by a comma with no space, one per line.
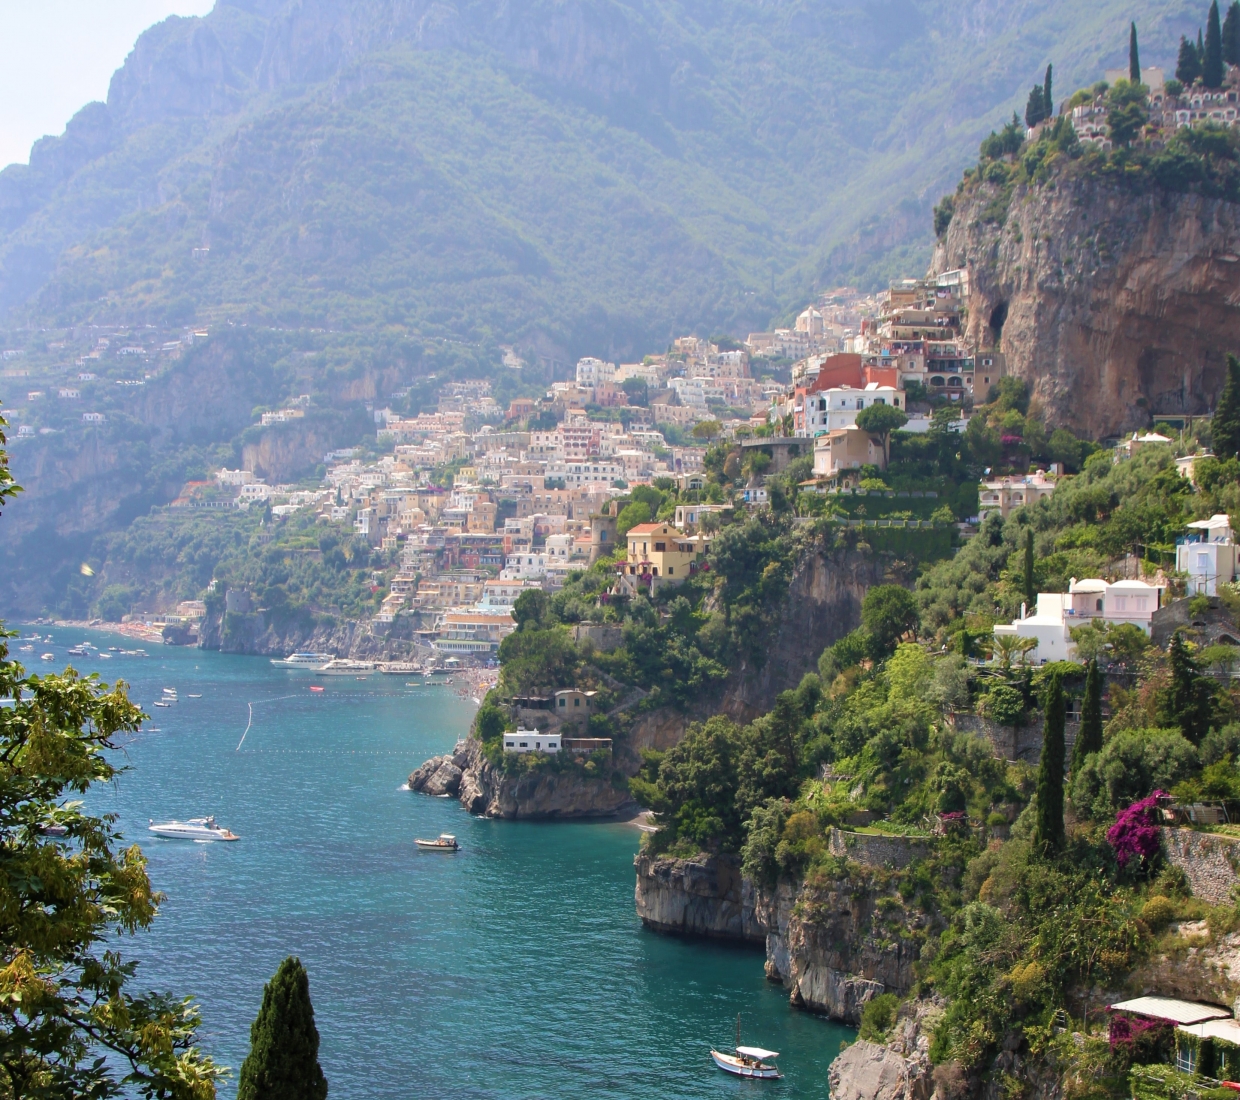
(513,968)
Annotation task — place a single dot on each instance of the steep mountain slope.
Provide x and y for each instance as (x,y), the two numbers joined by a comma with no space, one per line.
(583,174)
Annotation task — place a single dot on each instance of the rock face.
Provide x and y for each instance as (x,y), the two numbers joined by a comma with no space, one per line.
(899,1070)
(1115,304)
(830,946)
(704,896)
(484,789)
(1209,862)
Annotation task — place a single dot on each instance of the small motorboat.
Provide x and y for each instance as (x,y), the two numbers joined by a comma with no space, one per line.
(196,828)
(755,1062)
(162,704)
(193,696)
(316,687)
(47,656)
(105,656)
(27,649)
(445,842)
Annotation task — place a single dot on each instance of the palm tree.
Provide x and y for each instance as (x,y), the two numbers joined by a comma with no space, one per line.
(1006,647)
(1026,646)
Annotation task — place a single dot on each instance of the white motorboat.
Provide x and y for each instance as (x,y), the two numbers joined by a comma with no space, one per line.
(748,1062)
(307,661)
(196,828)
(445,842)
(344,667)
(161,703)
(47,656)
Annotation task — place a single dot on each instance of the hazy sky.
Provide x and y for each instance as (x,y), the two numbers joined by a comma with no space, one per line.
(58,55)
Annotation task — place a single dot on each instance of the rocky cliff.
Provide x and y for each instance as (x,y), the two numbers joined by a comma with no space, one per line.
(542,793)
(1116,303)
(834,945)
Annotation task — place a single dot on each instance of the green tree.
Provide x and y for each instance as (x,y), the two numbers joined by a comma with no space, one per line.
(882,420)
(707,429)
(1126,111)
(888,612)
(69,1028)
(633,513)
(1089,737)
(1212,59)
(1035,108)
(1225,426)
(1031,589)
(1231,34)
(530,609)
(1188,700)
(283,1063)
(1048,835)
(1048,100)
(1188,63)
(1134,58)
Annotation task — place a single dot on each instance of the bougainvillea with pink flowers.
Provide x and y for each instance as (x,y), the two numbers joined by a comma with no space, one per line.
(1134,836)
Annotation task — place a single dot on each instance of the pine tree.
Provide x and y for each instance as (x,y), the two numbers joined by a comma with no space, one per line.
(1188,699)
(1212,60)
(1034,112)
(1188,64)
(1089,738)
(1031,596)
(1134,58)
(283,1063)
(1225,427)
(1048,101)
(1231,34)
(1048,833)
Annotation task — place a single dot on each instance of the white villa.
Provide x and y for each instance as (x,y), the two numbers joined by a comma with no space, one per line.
(1208,555)
(1057,613)
(520,741)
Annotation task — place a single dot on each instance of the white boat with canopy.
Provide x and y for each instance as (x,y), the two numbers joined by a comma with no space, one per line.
(756,1062)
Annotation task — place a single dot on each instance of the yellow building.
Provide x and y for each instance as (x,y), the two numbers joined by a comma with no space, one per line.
(662,553)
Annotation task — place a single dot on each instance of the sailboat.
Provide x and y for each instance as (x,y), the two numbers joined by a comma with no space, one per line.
(747,1061)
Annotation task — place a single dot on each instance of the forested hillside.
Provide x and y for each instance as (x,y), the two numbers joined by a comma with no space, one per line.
(582,176)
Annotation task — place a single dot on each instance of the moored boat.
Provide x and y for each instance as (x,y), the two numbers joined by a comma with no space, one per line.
(755,1062)
(748,1062)
(196,828)
(306,661)
(445,842)
(344,667)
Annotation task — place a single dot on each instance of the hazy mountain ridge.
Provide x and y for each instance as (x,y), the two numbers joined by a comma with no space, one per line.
(600,173)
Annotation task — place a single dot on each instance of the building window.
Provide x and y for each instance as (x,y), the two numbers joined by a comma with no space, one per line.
(576,702)
(670,570)
(563,702)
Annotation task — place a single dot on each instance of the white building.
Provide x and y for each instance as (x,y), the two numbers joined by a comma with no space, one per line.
(226,476)
(595,372)
(520,741)
(1005,493)
(829,410)
(1208,555)
(1058,612)
(524,566)
(575,475)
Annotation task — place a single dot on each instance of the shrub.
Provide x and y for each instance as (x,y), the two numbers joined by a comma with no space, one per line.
(877,1017)
(1130,765)
(1157,912)
(1134,836)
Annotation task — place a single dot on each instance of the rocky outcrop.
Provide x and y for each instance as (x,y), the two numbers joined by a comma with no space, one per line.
(259,634)
(897,1070)
(704,896)
(1116,303)
(834,947)
(487,789)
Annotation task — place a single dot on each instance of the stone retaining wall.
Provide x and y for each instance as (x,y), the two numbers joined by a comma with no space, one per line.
(1210,861)
(876,850)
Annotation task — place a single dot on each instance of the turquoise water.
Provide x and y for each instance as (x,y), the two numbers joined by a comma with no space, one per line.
(515,968)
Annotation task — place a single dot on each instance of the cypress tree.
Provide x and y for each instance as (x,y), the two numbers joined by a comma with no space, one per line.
(1089,738)
(1048,101)
(1034,112)
(1048,833)
(1212,59)
(1188,64)
(1225,426)
(1031,596)
(1201,52)
(1188,700)
(1134,58)
(283,1063)
(1231,34)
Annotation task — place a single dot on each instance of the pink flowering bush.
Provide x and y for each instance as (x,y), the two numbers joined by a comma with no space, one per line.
(1135,832)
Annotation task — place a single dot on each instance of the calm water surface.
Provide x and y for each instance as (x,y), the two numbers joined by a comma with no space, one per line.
(515,968)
